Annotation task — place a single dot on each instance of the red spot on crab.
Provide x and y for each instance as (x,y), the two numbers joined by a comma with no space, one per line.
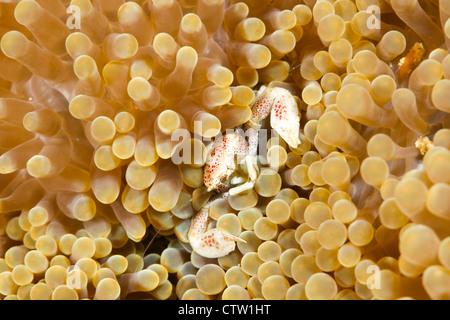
(221,160)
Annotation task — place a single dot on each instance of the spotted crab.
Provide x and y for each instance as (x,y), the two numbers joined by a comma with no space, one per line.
(284,119)
(221,167)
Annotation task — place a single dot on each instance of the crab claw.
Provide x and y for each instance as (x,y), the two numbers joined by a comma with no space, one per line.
(215,243)
(262,105)
(199,223)
(220,161)
(284,117)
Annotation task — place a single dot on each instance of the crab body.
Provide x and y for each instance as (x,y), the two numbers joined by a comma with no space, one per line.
(220,161)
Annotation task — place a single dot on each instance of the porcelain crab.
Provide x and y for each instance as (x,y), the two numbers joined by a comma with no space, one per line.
(222,165)
(221,162)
